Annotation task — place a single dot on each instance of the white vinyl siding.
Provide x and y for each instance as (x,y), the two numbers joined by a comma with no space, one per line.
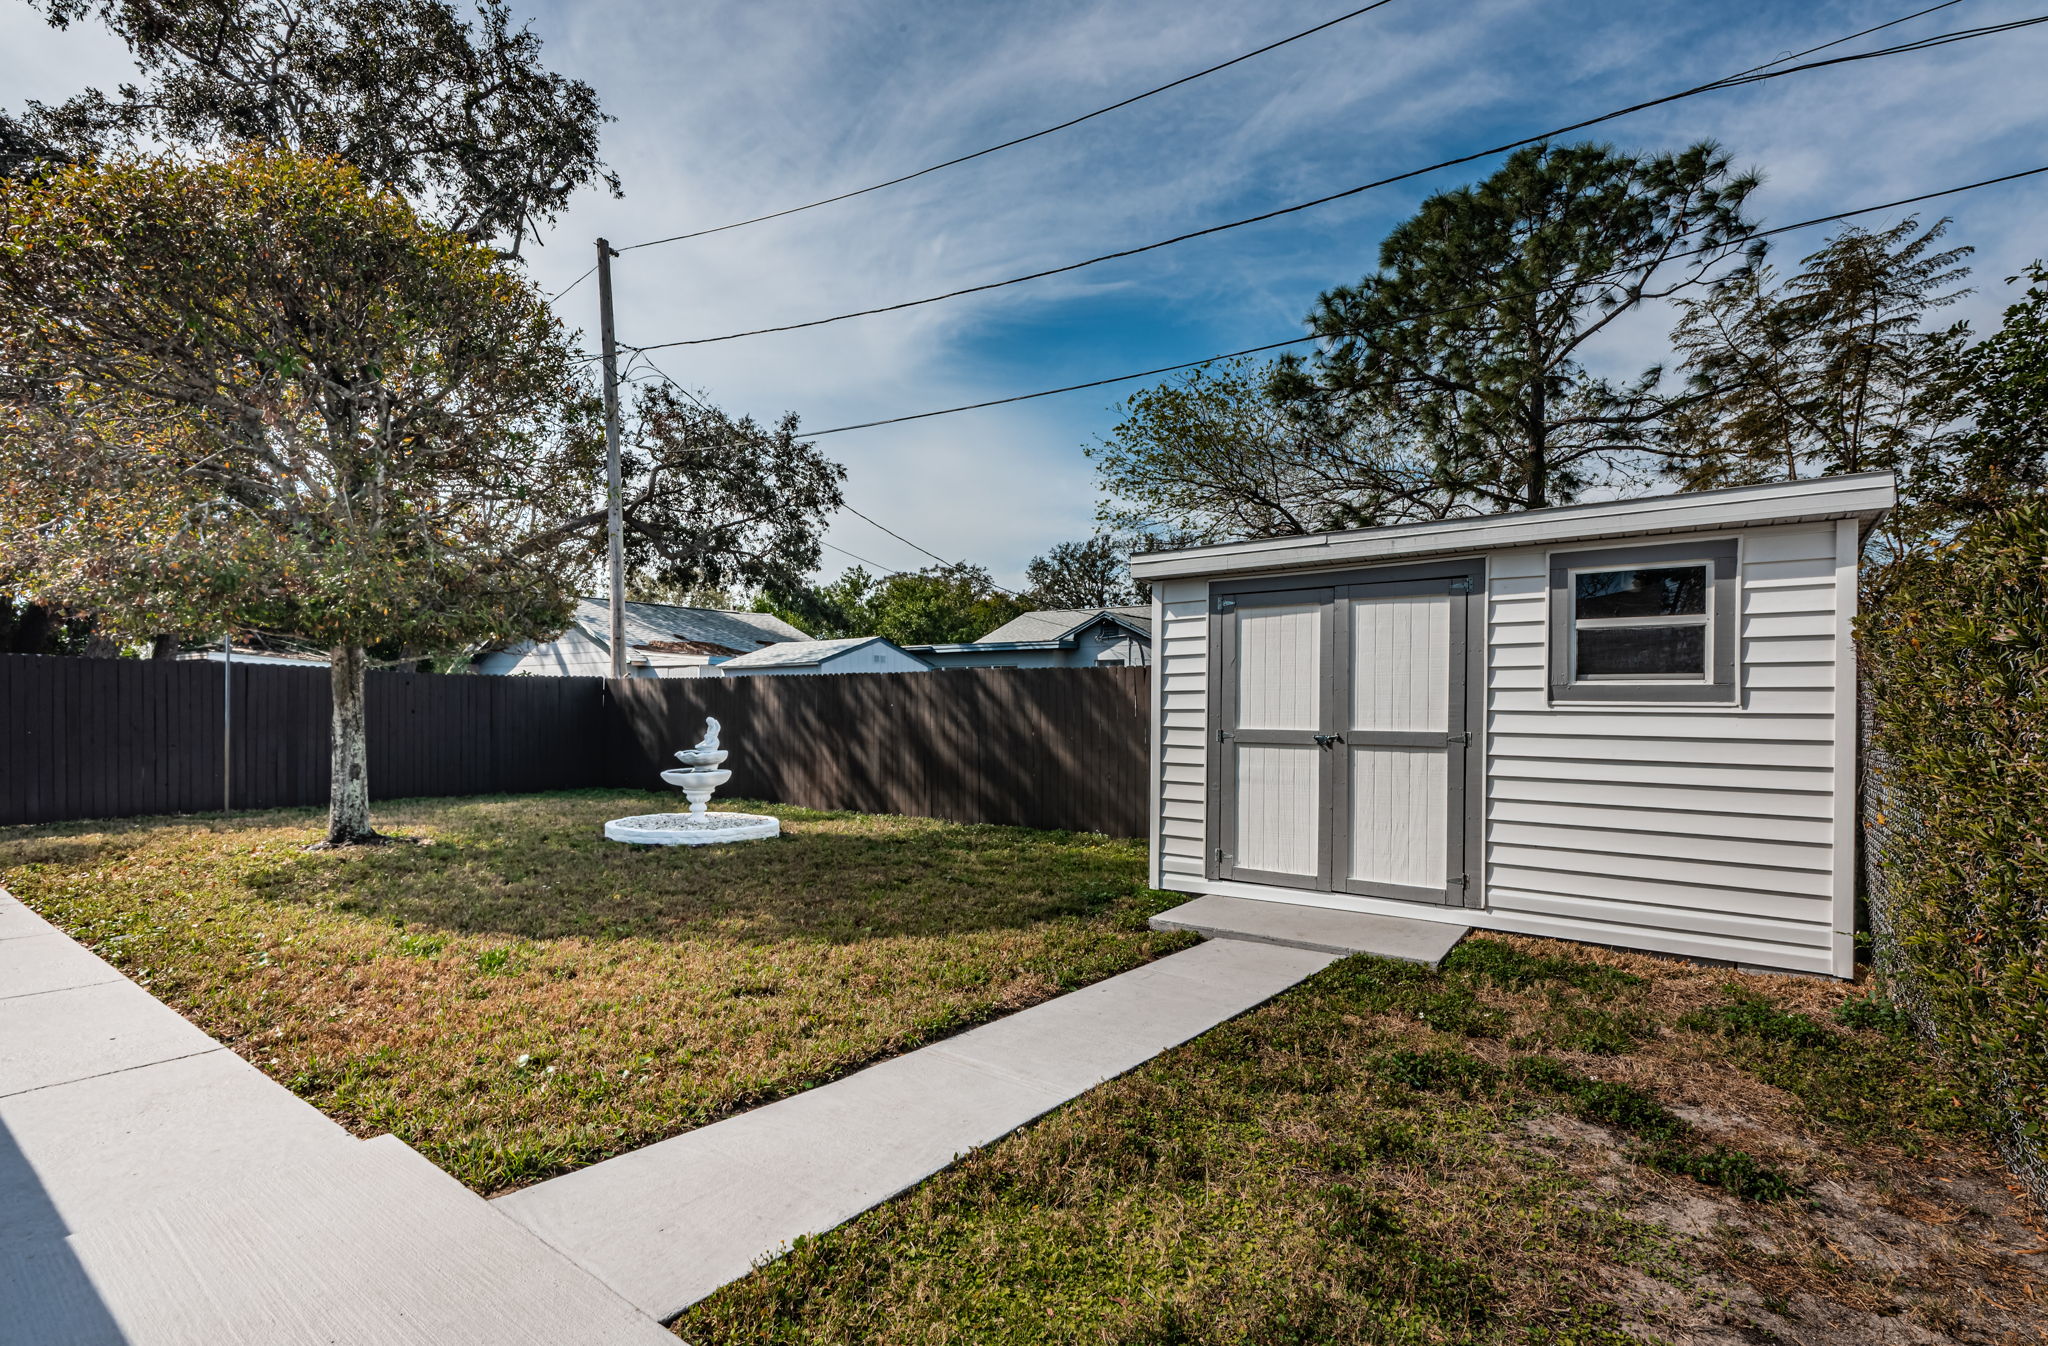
(1181,609)
(1674,827)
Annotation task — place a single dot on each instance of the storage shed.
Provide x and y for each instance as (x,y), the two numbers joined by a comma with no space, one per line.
(1631,723)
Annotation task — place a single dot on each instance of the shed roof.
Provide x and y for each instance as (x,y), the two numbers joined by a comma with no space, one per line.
(800,653)
(1863,495)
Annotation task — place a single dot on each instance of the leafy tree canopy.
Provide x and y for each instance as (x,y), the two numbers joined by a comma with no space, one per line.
(1213,455)
(934,606)
(1092,573)
(455,112)
(258,394)
(1469,335)
(1830,369)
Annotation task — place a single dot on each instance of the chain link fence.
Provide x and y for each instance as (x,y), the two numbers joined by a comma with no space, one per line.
(1894,841)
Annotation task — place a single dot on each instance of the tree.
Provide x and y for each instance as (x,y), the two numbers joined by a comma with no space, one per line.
(462,119)
(1471,330)
(1213,455)
(35,628)
(1094,573)
(1830,370)
(938,605)
(716,502)
(2001,386)
(258,394)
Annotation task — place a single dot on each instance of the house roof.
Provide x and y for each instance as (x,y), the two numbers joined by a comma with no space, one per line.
(663,626)
(1862,495)
(1055,625)
(800,653)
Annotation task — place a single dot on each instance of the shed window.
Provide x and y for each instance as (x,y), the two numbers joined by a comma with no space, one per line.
(1643,624)
(1640,623)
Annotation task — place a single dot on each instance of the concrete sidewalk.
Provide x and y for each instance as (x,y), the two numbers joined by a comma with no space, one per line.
(157,1190)
(668,1224)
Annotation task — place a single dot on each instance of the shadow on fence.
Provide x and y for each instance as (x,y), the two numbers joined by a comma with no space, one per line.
(110,738)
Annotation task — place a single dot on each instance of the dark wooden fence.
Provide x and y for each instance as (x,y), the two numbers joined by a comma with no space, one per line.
(110,738)
(1038,747)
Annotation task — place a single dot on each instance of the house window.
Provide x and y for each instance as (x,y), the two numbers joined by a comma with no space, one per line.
(1644,623)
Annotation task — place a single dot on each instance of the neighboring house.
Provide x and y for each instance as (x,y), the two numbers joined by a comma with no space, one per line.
(1055,638)
(855,654)
(1630,723)
(662,641)
(250,654)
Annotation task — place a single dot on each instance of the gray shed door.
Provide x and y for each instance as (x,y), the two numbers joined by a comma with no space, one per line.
(1341,732)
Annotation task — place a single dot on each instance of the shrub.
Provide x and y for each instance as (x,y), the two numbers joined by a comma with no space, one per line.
(1957,658)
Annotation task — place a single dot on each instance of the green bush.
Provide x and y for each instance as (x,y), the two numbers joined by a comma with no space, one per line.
(1956,651)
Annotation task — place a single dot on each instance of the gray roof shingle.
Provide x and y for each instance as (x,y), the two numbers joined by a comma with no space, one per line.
(1058,623)
(650,623)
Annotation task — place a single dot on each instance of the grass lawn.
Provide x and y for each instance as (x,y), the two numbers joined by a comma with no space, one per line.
(1542,1145)
(518,996)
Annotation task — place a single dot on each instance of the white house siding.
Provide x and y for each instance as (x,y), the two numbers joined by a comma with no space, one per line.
(1181,667)
(1708,831)
(1701,830)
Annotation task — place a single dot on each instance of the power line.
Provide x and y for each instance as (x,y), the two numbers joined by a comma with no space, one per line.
(1874,28)
(1297,341)
(641,358)
(1755,76)
(586,276)
(1008,144)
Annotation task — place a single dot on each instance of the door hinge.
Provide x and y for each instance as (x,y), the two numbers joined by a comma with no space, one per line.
(1462,585)
(1461,881)
(1220,853)
(1225,603)
(1462,740)
(1222,735)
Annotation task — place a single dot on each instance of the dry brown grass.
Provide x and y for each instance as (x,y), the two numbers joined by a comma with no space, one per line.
(517,996)
(1366,1159)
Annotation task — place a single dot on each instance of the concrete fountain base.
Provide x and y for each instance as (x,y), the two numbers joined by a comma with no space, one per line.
(686,829)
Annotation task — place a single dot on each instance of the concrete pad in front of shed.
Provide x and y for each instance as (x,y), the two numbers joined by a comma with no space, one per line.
(159,1137)
(61,1036)
(1324,929)
(36,964)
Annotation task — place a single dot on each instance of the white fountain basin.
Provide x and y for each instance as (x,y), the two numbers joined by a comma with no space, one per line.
(687,829)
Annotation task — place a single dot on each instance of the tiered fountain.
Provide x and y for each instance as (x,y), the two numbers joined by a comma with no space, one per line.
(699,776)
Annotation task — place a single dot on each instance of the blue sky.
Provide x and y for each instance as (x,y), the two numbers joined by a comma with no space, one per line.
(728,109)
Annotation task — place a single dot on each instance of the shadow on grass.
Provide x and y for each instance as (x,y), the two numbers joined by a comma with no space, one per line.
(538,867)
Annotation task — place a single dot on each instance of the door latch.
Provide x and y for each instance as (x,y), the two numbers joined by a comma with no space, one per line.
(1325,740)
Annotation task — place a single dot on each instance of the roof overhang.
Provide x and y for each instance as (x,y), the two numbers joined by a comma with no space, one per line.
(1864,495)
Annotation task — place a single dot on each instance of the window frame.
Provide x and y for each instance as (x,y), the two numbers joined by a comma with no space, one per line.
(1718,686)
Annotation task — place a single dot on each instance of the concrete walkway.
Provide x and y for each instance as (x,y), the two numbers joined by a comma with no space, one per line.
(157,1190)
(667,1225)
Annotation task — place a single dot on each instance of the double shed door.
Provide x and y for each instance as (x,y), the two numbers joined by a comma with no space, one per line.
(1339,753)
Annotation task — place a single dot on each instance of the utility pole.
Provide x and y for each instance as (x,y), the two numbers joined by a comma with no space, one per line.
(227,722)
(615,524)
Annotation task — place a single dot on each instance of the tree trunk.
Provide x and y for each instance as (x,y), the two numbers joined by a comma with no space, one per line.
(163,647)
(348,807)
